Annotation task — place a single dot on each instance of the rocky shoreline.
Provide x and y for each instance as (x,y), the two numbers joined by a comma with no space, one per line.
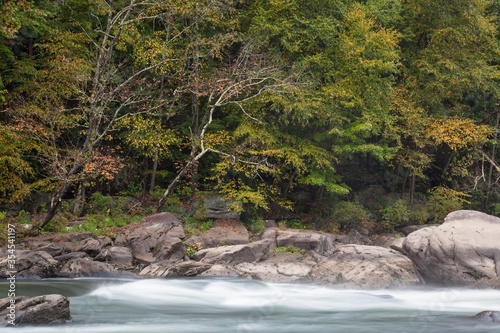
(464,251)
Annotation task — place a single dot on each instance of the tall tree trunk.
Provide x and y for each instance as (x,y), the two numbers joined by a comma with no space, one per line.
(152,184)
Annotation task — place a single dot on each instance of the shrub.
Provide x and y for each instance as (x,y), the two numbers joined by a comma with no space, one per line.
(289,249)
(443,201)
(396,215)
(101,203)
(346,215)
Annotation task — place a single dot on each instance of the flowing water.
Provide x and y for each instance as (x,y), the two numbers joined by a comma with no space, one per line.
(237,305)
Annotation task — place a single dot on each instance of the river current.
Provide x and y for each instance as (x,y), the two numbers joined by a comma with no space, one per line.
(238,305)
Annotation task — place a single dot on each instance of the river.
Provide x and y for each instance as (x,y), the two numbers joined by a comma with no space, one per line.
(238,305)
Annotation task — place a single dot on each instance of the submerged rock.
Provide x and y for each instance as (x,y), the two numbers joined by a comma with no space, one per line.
(39,310)
(488,316)
(463,250)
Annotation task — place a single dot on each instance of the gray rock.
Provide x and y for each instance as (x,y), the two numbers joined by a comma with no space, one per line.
(235,254)
(213,206)
(116,255)
(463,250)
(221,271)
(223,232)
(71,255)
(365,267)
(488,316)
(155,238)
(171,269)
(30,264)
(86,267)
(39,310)
(319,242)
(91,245)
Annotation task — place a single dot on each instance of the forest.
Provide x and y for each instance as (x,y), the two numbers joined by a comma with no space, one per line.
(327,112)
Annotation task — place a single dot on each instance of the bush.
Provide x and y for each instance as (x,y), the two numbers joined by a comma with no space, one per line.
(443,201)
(346,215)
(396,215)
(102,203)
(289,249)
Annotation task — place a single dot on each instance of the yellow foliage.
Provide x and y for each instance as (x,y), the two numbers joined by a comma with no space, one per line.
(458,133)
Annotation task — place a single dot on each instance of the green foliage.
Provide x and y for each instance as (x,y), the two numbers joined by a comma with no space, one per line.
(293,224)
(443,200)
(289,249)
(100,203)
(396,215)
(3,215)
(193,224)
(346,215)
(104,225)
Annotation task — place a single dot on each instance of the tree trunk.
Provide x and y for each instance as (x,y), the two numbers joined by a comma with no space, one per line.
(152,184)
(489,180)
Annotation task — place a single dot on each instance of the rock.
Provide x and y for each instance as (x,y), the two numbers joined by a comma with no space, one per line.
(319,242)
(365,267)
(235,254)
(463,250)
(55,243)
(221,271)
(279,268)
(387,241)
(355,237)
(30,264)
(116,255)
(90,245)
(223,232)
(488,316)
(213,206)
(39,310)
(86,267)
(71,255)
(155,238)
(170,269)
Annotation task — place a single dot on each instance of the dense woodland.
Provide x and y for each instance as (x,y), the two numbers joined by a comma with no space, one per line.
(337,111)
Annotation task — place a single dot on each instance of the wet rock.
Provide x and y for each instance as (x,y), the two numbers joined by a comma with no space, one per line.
(464,250)
(488,316)
(39,310)
(172,269)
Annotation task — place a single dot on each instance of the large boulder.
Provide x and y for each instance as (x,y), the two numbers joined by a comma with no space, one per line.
(39,310)
(155,238)
(30,264)
(235,254)
(465,249)
(365,267)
